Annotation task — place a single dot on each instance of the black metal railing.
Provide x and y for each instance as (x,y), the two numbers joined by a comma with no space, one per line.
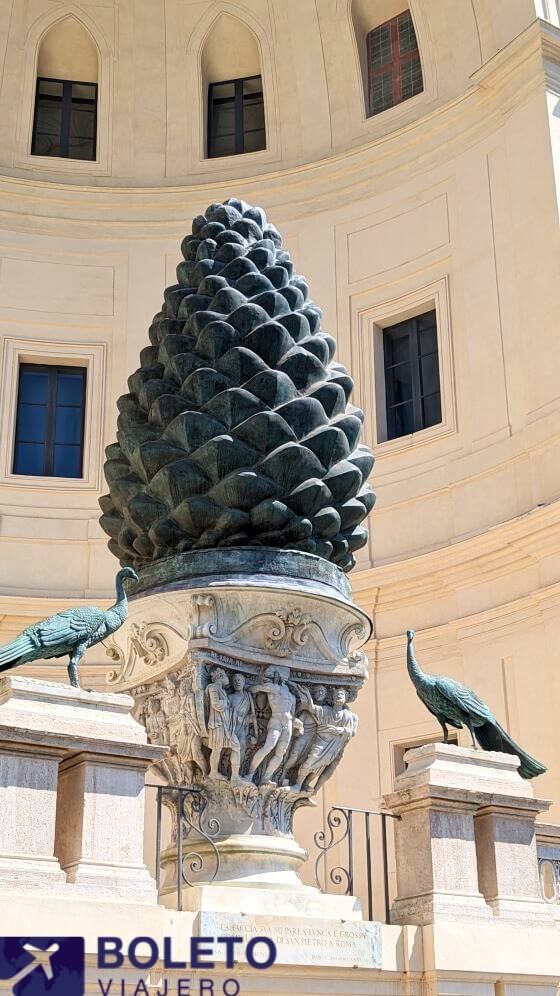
(189,831)
(351,829)
(191,857)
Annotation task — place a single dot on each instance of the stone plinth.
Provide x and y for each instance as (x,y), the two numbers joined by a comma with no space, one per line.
(465,841)
(508,869)
(72,772)
(28,786)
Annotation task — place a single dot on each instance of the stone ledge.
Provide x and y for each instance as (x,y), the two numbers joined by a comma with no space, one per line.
(47,714)
(439,764)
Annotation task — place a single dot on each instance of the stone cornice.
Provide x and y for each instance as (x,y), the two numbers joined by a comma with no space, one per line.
(48,207)
(496,551)
(441,643)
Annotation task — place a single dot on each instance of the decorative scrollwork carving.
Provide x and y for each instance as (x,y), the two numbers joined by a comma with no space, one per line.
(288,631)
(351,640)
(203,616)
(148,644)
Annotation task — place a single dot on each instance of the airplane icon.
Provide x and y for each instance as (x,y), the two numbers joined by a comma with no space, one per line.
(39,955)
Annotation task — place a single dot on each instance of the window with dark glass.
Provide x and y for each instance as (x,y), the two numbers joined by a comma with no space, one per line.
(393,60)
(50,421)
(236,117)
(65,123)
(412,387)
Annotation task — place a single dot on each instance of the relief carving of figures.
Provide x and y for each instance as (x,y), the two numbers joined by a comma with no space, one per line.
(282,703)
(193,731)
(156,721)
(221,728)
(260,744)
(301,745)
(335,726)
(244,714)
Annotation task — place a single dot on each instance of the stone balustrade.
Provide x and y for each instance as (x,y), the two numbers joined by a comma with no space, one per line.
(72,775)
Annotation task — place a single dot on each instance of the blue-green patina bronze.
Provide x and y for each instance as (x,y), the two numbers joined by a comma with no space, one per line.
(69,633)
(456,705)
(237,430)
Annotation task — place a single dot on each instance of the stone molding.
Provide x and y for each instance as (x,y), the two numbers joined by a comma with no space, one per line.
(506,80)
(261,626)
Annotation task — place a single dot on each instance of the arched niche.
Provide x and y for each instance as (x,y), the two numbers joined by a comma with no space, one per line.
(68,52)
(65,115)
(370,14)
(232,89)
(66,46)
(230,50)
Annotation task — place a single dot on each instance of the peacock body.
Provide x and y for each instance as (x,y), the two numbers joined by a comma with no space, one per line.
(68,633)
(453,704)
(237,430)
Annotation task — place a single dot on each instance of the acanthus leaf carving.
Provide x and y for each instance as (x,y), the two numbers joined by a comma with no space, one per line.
(289,632)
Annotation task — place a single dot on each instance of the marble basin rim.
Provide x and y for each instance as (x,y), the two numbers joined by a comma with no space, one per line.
(255,565)
(224,600)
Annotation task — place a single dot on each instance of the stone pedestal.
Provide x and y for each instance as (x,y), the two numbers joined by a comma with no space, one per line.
(72,772)
(28,785)
(245,662)
(508,869)
(465,842)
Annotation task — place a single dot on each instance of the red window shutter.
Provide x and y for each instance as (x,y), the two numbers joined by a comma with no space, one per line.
(394,67)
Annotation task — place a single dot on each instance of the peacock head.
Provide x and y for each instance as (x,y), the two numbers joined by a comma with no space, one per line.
(410,633)
(126,573)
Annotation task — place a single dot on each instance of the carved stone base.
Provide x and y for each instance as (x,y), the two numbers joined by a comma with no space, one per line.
(303,901)
(244,662)
(242,861)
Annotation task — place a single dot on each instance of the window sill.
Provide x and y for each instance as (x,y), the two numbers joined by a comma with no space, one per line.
(391,117)
(218,164)
(413,439)
(56,164)
(47,483)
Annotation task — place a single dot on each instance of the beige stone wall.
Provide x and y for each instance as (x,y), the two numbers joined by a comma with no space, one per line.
(449,200)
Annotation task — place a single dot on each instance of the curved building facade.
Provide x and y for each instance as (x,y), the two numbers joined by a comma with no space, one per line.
(411,159)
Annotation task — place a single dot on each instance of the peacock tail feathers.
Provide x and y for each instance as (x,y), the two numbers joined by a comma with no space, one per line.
(17,650)
(491,736)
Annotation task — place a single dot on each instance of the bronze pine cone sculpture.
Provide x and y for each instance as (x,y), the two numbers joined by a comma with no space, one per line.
(237,429)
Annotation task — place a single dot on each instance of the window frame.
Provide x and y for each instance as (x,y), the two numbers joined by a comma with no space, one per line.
(395,64)
(52,371)
(371,313)
(409,329)
(238,102)
(66,104)
(91,355)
